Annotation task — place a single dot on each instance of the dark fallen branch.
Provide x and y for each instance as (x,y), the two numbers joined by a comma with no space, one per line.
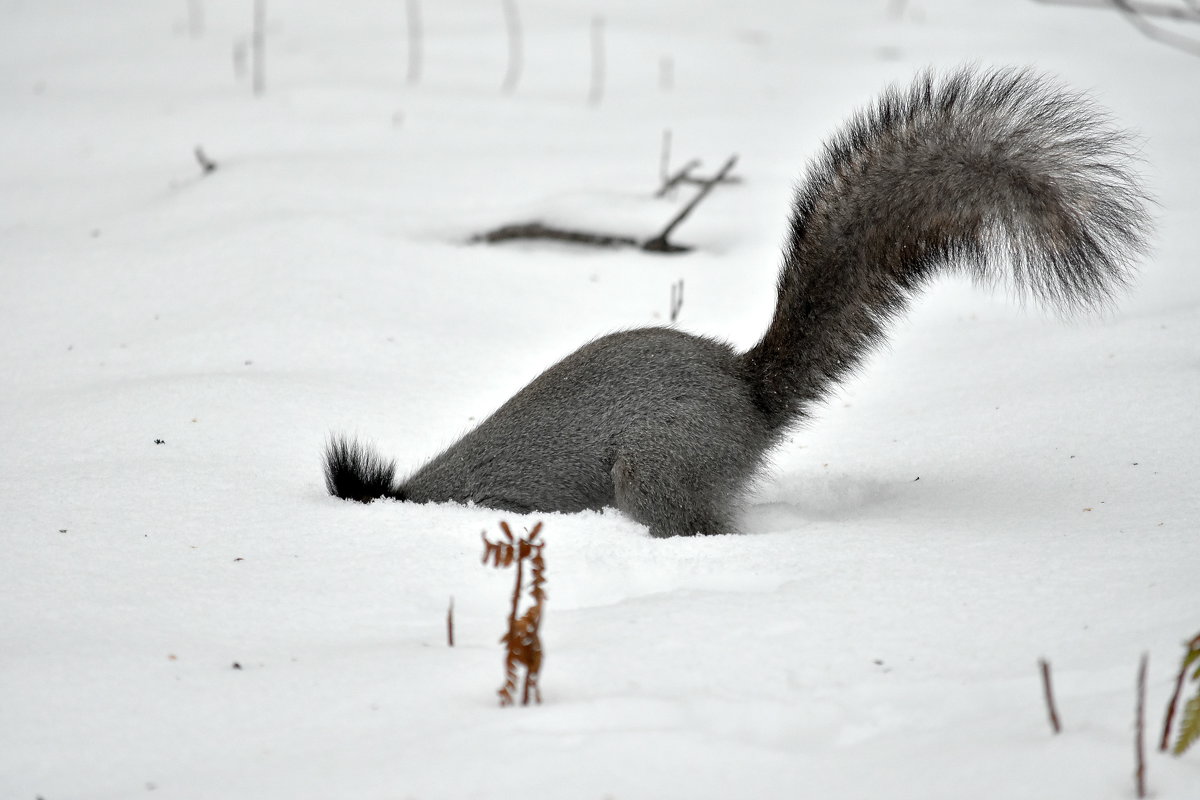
(536,230)
(660,244)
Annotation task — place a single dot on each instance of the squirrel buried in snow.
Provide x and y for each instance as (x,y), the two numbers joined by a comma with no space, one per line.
(995,173)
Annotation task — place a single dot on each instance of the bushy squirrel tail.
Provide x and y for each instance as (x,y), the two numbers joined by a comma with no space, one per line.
(354,471)
(1001,174)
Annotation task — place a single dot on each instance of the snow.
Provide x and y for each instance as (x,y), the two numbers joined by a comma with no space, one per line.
(998,486)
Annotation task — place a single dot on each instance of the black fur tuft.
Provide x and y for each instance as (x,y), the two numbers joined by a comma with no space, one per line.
(354,471)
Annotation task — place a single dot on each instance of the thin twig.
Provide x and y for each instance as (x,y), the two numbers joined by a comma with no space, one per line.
(596,90)
(450,623)
(207,165)
(676,299)
(413,17)
(684,175)
(258,39)
(512,24)
(195,18)
(664,156)
(666,74)
(1146,9)
(660,242)
(1152,31)
(1139,741)
(700,181)
(1048,691)
(536,230)
(1194,644)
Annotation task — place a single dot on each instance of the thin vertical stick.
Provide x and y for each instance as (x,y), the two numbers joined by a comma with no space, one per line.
(1139,742)
(195,18)
(1170,718)
(1194,644)
(664,160)
(1048,690)
(450,623)
(257,44)
(659,243)
(596,91)
(207,165)
(413,24)
(666,74)
(676,299)
(896,8)
(512,24)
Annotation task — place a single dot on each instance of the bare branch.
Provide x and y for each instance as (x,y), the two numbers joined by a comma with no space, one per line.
(536,230)
(682,176)
(660,243)
(1146,9)
(1152,31)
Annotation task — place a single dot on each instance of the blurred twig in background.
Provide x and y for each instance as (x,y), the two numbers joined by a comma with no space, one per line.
(413,19)
(512,24)
(258,39)
(596,88)
(1189,12)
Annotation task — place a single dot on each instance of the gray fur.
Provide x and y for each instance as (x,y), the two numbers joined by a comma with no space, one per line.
(980,171)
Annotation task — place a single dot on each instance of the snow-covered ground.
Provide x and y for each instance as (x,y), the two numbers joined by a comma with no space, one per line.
(869,635)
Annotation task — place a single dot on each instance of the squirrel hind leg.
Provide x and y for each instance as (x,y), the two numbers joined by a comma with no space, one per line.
(658,494)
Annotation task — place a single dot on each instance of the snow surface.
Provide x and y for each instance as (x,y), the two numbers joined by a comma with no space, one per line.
(869,635)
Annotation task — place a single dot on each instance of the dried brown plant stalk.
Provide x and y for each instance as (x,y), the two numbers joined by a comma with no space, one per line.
(523,644)
(1048,692)
(1191,655)
(1139,742)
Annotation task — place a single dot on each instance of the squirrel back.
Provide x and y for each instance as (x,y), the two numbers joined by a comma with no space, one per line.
(998,173)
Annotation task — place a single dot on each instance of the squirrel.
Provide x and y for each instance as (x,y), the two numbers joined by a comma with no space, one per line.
(998,173)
